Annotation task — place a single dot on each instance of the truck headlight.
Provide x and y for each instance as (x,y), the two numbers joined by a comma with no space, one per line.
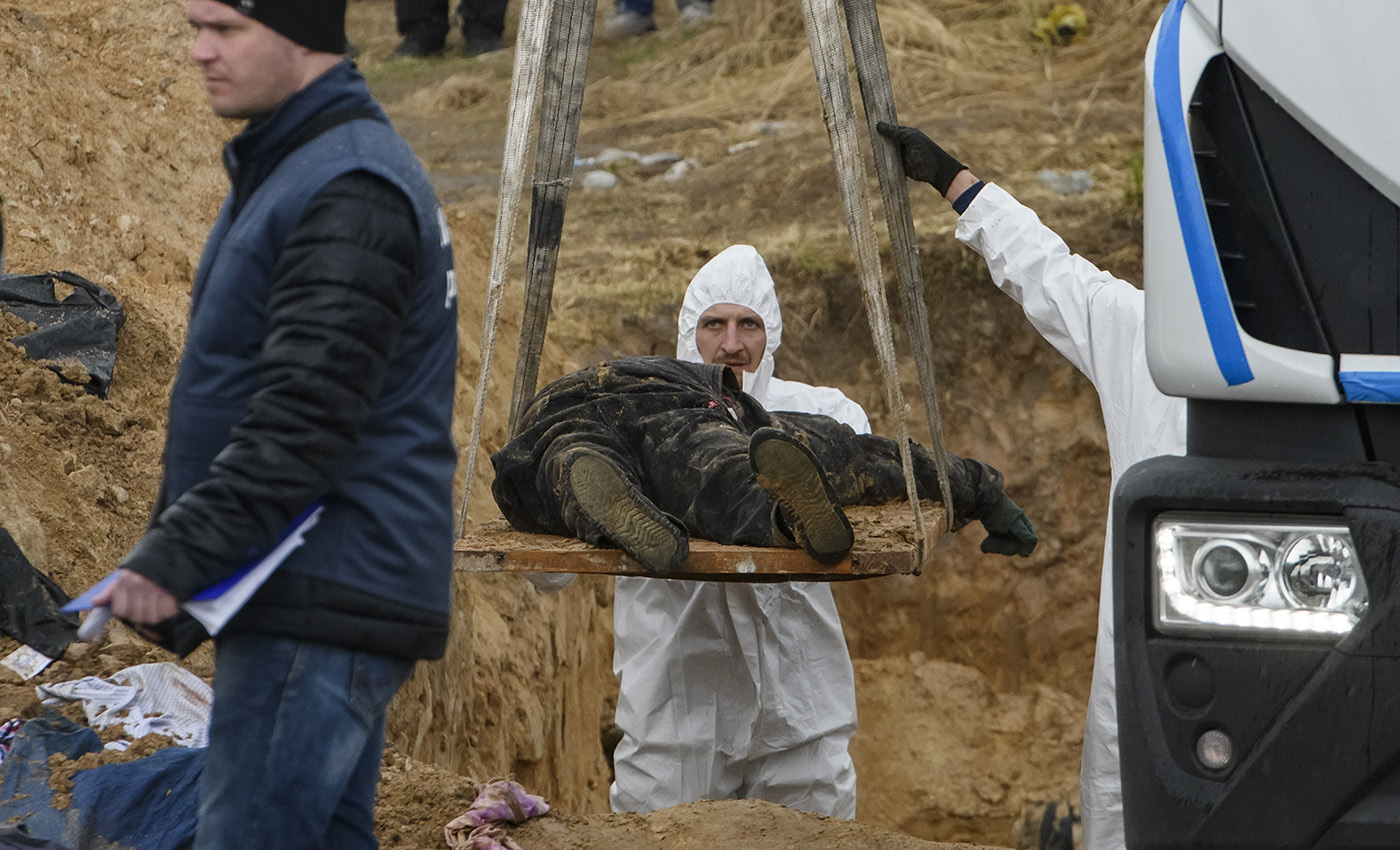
(1268,576)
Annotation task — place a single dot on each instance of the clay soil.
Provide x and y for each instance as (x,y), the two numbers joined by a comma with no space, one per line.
(972,677)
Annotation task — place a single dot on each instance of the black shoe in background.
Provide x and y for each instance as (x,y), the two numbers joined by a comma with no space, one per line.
(475,45)
(412,49)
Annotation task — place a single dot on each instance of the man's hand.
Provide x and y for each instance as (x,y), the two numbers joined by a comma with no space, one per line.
(137,599)
(923,159)
(1009,532)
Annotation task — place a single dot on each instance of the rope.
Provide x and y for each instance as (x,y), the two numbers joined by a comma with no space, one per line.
(524,97)
(838,111)
(877,95)
(571,32)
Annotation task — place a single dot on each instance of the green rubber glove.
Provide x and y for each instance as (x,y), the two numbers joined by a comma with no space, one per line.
(1009,532)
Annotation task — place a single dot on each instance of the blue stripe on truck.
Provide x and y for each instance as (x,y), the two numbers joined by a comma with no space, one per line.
(1190,206)
(1371,386)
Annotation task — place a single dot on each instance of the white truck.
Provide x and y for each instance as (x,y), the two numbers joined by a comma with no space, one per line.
(1257,578)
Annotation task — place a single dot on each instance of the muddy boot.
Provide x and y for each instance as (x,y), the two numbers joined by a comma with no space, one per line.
(791,475)
(617,509)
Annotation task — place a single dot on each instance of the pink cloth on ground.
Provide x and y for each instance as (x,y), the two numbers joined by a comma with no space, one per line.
(499,802)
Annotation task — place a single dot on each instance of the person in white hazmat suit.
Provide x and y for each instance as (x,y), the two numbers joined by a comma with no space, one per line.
(1096,321)
(735,690)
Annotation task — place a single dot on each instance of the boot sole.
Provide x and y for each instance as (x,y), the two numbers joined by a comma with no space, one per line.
(638,528)
(792,476)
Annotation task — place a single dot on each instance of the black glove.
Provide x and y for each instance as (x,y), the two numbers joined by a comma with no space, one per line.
(978,494)
(923,159)
(1009,532)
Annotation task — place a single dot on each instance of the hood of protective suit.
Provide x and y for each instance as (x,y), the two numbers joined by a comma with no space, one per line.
(737,275)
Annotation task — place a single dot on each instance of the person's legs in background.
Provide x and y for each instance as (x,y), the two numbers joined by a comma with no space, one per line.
(634,17)
(423,25)
(695,13)
(295,740)
(483,25)
(630,18)
(687,700)
(817,777)
(731,690)
(800,757)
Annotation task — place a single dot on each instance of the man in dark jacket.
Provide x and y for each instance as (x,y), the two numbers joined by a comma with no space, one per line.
(645,451)
(318,369)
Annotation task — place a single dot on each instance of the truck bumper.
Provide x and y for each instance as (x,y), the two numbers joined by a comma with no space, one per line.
(1315,725)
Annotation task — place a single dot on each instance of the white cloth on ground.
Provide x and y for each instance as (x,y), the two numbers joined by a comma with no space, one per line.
(162,698)
(1096,321)
(735,690)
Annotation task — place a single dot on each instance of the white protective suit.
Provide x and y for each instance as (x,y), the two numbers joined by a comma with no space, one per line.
(728,689)
(1095,320)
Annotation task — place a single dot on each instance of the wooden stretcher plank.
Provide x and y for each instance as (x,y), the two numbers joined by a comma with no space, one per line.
(884,545)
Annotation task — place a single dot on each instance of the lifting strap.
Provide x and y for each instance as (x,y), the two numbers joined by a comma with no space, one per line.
(838,111)
(877,96)
(566,69)
(524,97)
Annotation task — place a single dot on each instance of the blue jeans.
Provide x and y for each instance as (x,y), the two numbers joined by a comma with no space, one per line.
(295,740)
(644,7)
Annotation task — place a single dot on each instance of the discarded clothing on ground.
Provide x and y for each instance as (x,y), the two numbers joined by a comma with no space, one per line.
(32,601)
(499,802)
(150,803)
(7,736)
(18,838)
(162,698)
(489,836)
(81,326)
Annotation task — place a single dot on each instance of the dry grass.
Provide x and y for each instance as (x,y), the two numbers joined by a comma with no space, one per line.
(945,56)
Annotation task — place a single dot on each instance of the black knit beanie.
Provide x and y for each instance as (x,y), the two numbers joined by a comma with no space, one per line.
(314,24)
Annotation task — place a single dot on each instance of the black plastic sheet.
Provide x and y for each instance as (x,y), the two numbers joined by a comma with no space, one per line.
(30,603)
(82,326)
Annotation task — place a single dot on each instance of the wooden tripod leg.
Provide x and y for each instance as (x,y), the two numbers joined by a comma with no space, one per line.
(877,95)
(571,33)
(838,110)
